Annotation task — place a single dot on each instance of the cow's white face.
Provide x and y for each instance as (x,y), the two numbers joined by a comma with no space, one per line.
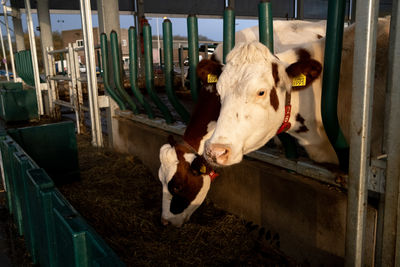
(252,87)
(184,188)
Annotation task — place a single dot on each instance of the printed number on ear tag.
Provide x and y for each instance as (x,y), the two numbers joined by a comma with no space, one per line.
(203,169)
(211,78)
(299,80)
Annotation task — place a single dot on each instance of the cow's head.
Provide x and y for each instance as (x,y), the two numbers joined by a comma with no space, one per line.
(253,87)
(185,179)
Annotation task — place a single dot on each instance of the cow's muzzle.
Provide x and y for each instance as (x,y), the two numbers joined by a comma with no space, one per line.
(218,154)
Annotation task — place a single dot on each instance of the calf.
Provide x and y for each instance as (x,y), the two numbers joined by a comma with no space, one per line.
(263,94)
(184,173)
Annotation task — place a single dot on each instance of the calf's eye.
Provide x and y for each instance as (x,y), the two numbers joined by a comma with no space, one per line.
(261,93)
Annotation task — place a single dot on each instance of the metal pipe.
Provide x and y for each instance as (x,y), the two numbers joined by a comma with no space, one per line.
(50,83)
(169,69)
(193,44)
(330,82)
(391,223)
(4,54)
(265,25)
(81,108)
(133,69)
(57,51)
(73,94)
(32,43)
(180,58)
(361,107)
(148,55)
(105,73)
(86,17)
(229,31)
(117,74)
(9,40)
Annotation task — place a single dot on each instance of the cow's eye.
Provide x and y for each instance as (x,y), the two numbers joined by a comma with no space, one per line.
(177,188)
(261,93)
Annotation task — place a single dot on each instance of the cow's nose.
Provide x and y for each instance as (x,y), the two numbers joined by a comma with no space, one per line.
(218,153)
(164,222)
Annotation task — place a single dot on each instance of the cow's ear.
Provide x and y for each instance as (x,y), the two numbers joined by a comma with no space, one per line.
(303,73)
(208,71)
(171,140)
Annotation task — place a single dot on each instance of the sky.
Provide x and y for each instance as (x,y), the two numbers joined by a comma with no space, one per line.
(212,28)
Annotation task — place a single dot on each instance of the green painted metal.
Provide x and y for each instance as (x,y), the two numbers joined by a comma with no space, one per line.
(229,31)
(18,105)
(168,71)
(11,85)
(330,82)
(116,62)
(53,147)
(133,72)
(193,44)
(24,67)
(6,144)
(105,72)
(265,24)
(148,55)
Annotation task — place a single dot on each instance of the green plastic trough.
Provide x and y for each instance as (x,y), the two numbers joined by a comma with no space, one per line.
(17,104)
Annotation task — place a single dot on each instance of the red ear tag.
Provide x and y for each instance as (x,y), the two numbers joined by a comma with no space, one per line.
(213,175)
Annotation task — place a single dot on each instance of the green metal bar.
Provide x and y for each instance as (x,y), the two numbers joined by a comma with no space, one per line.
(265,24)
(169,69)
(148,56)
(104,58)
(117,71)
(229,31)
(133,71)
(193,44)
(330,82)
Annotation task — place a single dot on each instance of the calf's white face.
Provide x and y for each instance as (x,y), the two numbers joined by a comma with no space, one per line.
(252,87)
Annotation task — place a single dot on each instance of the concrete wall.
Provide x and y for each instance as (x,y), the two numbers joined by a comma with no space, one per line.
(310,217)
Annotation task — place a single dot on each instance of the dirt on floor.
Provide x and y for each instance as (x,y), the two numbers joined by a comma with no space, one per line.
(120,198)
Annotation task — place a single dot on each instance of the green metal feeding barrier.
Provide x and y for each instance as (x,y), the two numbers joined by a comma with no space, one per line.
(193,43)
(169,69)
(117,71)
(104,55)
(133,72)
(148,54)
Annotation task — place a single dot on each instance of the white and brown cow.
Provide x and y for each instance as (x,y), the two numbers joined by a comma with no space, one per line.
(184,173)
(262,94)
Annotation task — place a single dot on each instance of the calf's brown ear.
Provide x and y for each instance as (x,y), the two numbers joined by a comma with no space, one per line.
(303,73)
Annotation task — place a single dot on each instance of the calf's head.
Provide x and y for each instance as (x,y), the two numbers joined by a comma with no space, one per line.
(185,177)
(253,88)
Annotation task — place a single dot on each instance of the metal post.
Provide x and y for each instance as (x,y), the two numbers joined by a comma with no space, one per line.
(86,17)
(265,25)
(330,81)
(73,92)
(46,36)
(169,69)
(148,55)
(4,54)
(10,47)
(193,44)
(51,83)
(391,223)
(32,43)
(229,31)
(361,107)
(78,88)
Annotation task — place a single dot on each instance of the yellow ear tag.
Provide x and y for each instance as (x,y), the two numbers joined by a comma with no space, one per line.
(211,78)
(203,169)
(299,80)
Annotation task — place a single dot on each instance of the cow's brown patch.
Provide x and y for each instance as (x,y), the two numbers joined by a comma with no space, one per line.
(273,97)
(299,118)
(302,129)
(275,73)
(302,54)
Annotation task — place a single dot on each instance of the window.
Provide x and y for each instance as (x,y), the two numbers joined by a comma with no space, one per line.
(123,42)
(79,42)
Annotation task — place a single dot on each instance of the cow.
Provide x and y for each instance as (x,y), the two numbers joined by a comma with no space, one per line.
(287,34)
(263,94)
(184,174)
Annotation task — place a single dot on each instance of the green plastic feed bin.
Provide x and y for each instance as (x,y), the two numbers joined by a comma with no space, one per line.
(18,105)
